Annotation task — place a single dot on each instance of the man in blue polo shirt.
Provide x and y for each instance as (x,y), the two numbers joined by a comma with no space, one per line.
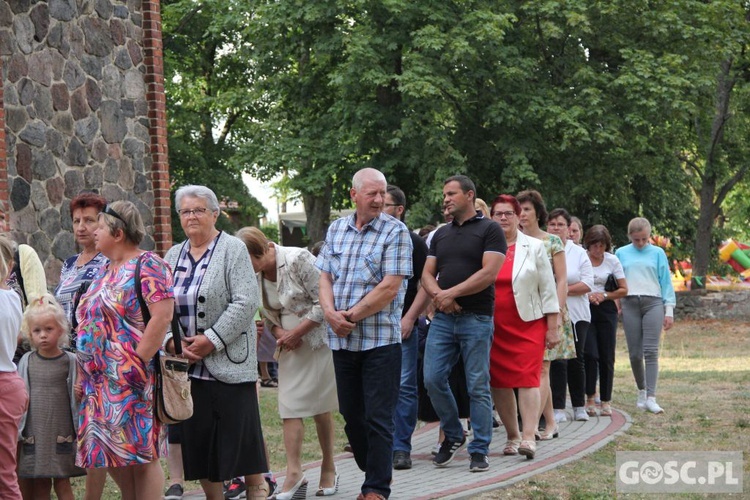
(463,262)
(363,264)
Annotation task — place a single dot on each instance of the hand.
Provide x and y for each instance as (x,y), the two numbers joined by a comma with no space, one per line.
(340,324)
(668,322)
(451,308)
(78,391)
(196,348)
(407,325)
(552,338)
(443,299)
(287,339)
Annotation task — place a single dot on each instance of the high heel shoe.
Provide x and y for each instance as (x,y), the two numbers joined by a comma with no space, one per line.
(327,492)
(298,491)
(551,434)
(527,449)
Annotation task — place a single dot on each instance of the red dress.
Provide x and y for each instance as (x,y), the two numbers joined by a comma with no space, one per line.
(517,346)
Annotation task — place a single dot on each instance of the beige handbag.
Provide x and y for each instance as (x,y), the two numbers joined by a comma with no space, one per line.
(173,401)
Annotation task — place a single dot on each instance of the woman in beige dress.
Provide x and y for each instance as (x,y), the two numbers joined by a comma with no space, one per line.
(288,281)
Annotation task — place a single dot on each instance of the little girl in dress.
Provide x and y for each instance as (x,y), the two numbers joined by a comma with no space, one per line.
(47,434)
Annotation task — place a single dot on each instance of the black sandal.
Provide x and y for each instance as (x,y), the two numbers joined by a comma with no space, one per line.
(268,382)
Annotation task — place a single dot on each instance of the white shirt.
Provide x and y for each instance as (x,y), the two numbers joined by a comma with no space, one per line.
(579,269)
(610,265)
(10,325)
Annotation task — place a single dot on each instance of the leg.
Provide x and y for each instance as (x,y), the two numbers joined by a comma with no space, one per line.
(326,437)
(95,481)
(441,353)
(294,434)
(27,487)
(256,486)
(381,374)
(123,477)
(558,378)
(607,340)
(41,489)
(528,402)
(348,368)
(63,489)
(174,464)
(653,320)
(576,369)
(632,323)
(475,336)
(505,402)
(405,416)
(213,491)
(13,401)
(591,353)
(545,398)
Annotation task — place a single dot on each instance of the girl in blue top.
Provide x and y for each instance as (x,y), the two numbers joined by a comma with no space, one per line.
(648,307)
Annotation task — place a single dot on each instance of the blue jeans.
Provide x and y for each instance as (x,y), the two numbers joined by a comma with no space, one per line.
(405,417)
(367,383)
(468,335)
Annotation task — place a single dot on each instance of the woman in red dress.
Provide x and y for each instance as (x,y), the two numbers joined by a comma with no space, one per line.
(526,310)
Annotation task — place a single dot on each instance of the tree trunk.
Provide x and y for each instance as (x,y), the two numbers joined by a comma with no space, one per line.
(703,236)
(318,212)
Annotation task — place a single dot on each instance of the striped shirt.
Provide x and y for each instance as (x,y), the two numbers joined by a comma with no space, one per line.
(357,261)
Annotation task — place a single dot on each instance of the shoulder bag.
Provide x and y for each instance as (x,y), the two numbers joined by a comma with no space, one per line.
(173,402)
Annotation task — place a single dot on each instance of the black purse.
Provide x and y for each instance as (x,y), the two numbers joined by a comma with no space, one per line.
(611,284)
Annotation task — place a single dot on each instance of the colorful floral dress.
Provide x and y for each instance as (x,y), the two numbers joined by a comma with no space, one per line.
(117,427)
(566,349)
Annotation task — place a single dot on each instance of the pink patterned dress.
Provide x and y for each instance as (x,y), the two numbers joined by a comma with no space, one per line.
(117,425)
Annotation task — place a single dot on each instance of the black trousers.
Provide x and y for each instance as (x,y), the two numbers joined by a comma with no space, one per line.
(570,372)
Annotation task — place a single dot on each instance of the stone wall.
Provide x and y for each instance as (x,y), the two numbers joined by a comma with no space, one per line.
(83,99)
(706,304)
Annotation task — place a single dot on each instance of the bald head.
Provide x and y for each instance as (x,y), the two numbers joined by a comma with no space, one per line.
(367,175)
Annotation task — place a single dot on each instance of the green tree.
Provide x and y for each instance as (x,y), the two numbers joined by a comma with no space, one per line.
(206,103)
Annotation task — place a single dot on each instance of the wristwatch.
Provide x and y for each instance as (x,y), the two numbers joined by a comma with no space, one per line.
(605,295)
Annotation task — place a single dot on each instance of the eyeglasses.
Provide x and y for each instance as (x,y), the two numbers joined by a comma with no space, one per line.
(110,211)
(198,212)
(500,215)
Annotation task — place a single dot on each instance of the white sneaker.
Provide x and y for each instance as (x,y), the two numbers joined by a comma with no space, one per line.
(560,416)
(641,401)
(653,406)
(580,415)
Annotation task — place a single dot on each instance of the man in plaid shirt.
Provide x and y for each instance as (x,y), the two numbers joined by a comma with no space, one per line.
(363,264)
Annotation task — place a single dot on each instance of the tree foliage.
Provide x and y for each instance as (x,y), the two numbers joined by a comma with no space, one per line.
(611,109)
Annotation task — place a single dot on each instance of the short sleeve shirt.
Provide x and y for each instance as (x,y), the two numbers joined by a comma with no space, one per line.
(357,261)
(459,250)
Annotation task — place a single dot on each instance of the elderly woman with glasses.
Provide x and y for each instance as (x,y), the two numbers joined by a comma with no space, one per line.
(216,294)
(116,348)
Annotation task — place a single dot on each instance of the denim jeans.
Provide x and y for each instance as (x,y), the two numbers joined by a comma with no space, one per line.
(405,417)
(470,336)
(367,383)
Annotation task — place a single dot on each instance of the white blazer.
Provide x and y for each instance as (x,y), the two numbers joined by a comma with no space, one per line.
(533,281)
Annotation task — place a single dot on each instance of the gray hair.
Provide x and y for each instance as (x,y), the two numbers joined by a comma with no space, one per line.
(639,224)
(131,222)
(367,174)
(192,191)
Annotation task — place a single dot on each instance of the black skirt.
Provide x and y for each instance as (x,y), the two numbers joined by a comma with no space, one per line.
(223,439)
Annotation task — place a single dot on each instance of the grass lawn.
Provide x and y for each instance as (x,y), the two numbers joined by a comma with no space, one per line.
(704,387)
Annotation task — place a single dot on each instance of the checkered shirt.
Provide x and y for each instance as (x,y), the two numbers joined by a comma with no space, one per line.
(188,274)
(358,260)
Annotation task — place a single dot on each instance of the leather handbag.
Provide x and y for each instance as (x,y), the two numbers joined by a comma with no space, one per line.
(611,284)
(173,401)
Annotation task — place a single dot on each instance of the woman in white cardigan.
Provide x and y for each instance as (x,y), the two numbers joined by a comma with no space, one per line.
(526,310)
(288,280)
